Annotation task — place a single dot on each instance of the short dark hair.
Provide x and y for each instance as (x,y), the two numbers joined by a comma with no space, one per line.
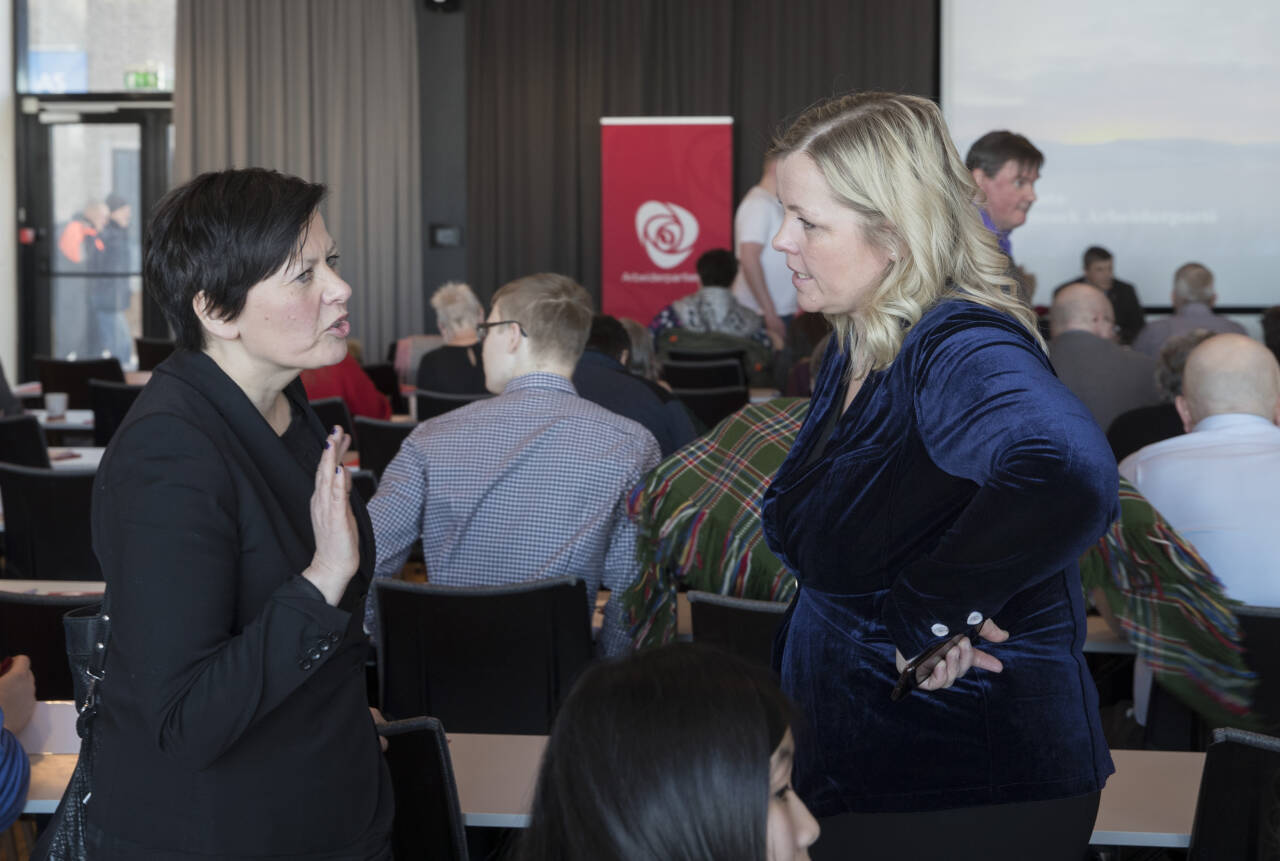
(220,234)
(717,268)
(1095,253)
(661,755)
(990,152)
(608,336)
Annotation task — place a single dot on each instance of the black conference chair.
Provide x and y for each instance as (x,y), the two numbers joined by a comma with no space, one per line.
(1238,805)
(72,377)
(701,374)
(712,406)
(380,442)
(430,404)
(333,411)
(492,659)
(428,821)
(365,483)
(22,442)
(46,524)
(739,625)
(152,351)
(110,403)
(1261,627)
(704,356)
(386,380)
(32,625)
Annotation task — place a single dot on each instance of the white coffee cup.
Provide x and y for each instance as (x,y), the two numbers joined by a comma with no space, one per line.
(55,404)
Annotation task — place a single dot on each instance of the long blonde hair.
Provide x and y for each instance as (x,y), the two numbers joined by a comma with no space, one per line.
(889,158)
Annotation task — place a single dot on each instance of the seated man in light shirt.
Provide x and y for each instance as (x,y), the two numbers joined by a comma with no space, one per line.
(1219,484)
(528,485)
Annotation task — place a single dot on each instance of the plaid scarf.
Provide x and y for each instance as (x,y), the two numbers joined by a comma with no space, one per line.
(699,519)
(1173,610)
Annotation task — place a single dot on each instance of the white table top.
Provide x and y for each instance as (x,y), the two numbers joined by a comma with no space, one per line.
(75,420)
(53,587)
(74,457)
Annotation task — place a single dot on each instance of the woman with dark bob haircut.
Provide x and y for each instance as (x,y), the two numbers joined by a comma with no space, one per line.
(681,753)
(233,719)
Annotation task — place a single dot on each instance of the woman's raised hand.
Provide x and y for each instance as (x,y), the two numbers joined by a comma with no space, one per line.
(337,540)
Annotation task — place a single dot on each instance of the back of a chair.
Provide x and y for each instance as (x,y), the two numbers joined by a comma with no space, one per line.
(1261,627)
(1238,805)
(713,406)
(333,411)
(22,442)
(47,531)
(152,351)
(32,625)
(364,482)
(428,821)
(380,442)
(386,380)
(704,374)
(110,403)
(72,377)
(738,625)
(493,659)
(709,355)
(429,404)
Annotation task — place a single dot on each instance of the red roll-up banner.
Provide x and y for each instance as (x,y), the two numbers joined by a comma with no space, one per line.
(666,189)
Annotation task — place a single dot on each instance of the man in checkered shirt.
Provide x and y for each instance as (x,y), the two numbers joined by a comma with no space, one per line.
(527,485)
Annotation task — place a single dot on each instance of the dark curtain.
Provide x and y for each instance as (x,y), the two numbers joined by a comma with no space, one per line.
(541,73)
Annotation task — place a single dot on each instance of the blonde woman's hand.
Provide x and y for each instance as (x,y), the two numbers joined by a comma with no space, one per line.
(337,541)
(961,658)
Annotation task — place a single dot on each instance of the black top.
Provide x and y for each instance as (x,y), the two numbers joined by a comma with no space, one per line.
(603,380)
(453,370)
(234,719)
(1125,304)
(1141,427)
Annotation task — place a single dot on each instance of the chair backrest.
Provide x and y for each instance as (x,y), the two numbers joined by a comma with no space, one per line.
(428,821)
(1238,805)
(380,442)
(22,442)
(430,404)
(72,377)
(110,403)
(738,625)
(364,482)
(712,406)
(333,411)
(713,374)
(1261,628)
(32,625)
(386,380)
(152,351)
(492,659)
(47,532)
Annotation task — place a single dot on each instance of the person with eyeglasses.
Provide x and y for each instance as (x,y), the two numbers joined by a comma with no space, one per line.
(528,485)
(1086,353)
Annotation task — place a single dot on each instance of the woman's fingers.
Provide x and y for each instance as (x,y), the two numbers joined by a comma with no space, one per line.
(992,633)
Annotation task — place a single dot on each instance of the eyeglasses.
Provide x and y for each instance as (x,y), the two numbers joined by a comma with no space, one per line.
(482,329)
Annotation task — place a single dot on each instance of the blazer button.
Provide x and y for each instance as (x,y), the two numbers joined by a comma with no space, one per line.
(324,646)
(940,630)
(975,618)
(304,664)
(314,654)
(333,638)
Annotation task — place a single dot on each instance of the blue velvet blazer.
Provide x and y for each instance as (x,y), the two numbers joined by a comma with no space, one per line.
(963,482)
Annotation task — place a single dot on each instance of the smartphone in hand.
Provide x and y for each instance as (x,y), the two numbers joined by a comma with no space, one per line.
(922,667)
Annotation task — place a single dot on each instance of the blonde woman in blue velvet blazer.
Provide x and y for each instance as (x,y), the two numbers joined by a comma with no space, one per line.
(943,484)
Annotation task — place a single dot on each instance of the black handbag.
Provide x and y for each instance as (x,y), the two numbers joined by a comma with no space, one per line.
(88,631)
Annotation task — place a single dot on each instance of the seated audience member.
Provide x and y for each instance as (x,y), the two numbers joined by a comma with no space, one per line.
(681,753)
(1158,594)
(713,308)
(17,702)
(1271,329)
(9,403)
(1099,271)
(347,380)
(1219,484)
(1142,426)
(602,377)
(1193,298)
(641,358)
(1107,378)
(454,368)
(528,485)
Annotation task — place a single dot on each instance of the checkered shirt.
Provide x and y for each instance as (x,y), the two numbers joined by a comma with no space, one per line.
(525,486)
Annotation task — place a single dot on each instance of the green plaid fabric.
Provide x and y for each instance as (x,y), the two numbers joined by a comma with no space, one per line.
(1173,610)
(699,519)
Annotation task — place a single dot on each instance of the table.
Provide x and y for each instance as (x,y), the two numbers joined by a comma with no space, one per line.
(1101,640)
(76,420)
(53,587)
(75,457)
(1150,800)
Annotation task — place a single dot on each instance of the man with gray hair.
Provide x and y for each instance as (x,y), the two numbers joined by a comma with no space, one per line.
(530,484)
(1219,484)
(1193,300)
(1107,378)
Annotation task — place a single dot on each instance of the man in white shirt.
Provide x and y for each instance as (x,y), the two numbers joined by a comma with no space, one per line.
(764,281)
(1219,485)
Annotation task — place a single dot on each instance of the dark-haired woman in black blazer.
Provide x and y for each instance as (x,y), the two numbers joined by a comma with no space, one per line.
(234,722)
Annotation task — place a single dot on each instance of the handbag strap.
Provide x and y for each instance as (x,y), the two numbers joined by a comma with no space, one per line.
(96,667)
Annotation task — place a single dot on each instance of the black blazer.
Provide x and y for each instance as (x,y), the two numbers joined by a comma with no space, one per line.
(234,719)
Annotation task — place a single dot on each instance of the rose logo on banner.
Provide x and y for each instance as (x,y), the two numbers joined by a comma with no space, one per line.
(667,232)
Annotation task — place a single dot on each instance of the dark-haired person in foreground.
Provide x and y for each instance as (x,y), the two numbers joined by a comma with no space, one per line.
(680,753)
(234,720)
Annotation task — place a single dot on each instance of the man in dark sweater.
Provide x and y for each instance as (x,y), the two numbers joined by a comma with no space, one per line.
(1099,270)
